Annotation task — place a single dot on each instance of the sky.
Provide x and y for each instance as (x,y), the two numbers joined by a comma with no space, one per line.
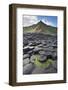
(29,20)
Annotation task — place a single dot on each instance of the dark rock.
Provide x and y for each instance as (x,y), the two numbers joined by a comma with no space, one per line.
(27,49)
(54,64)
(38,70)
(30,43)
(43,58)
(27,69)
(38,42)
(32,59)
(26,61)
(47,53)
(43,42)
(36,50)
(30,52)
(54,55)
(40,45)
(47,48)
(50,69)
(42,52)
(31,47)
(25,42)
(54,45)
(49,57)
(25,56)
(34,43)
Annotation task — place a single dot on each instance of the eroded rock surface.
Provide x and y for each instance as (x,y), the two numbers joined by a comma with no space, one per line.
(39,44)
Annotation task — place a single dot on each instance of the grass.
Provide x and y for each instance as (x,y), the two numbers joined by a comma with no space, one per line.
(42,65)
(44,29)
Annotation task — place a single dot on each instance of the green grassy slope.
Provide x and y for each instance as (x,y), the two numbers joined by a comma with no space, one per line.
(40,27)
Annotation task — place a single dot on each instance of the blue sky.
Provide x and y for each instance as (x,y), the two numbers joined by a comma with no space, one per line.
(29,20)
(49,20)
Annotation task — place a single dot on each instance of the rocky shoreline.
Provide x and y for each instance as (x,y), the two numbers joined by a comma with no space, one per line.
(43,46)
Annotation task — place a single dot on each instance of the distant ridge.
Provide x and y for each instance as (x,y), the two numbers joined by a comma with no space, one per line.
(40,27)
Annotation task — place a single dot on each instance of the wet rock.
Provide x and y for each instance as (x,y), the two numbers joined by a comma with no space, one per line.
(43,58)
(30,43)
(38,42)
(26,61)
(47,53)
(49,57)
(40,45)
(47,48)
(36,50)
(25,56)
(50,69)
(43,42)
(54,64)
(32,59)
(34,43)
(27,69)
(27,49)
(54,55)
(25,42)
(42,52)
(38,70)
(31,47)
(30,52)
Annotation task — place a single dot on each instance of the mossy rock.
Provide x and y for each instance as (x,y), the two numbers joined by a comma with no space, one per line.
(42,65)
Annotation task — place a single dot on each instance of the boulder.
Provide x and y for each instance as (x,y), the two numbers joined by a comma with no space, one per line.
(40,45)
(32,59)
(33,44)
(30,52)
(25,56)
(54,55)
(42,52)
(49,57)
(43,42)
(38,42)
(54,64)
(38,70)
(27,49)
(36,50)
(50,69)
(25,42)
(26,61)
(28,68)
(43,58)
(47,53)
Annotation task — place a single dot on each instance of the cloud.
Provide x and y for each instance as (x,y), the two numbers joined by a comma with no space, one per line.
(29,20)
(47,22)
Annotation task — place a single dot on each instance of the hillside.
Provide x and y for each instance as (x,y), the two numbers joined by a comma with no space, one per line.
(40,27)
